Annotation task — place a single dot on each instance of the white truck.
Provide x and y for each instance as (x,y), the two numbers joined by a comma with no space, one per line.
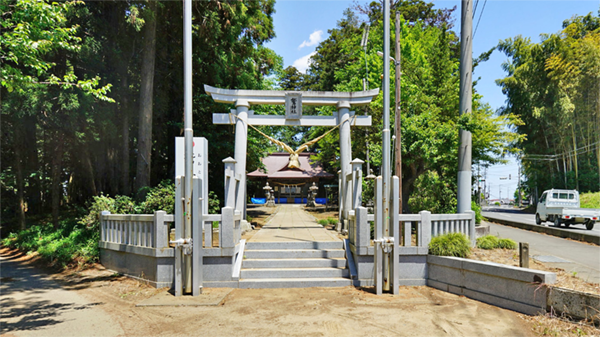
(562,207)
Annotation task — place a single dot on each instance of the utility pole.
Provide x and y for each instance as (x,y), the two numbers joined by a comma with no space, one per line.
(189,136)
(398,130)
(466,68)
(386,172)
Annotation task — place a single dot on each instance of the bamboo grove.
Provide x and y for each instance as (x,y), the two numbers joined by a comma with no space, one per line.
(554,87)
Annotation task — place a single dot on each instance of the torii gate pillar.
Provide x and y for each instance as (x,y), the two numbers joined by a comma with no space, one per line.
(241,148)
(345,149)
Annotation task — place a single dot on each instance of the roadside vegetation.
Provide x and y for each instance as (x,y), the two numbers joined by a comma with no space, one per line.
(589,200)
(74,243)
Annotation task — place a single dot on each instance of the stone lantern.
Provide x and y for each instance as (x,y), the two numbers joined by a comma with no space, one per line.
(312,196)
(269,195)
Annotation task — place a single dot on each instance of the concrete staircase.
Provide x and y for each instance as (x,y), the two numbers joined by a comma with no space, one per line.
(297,264)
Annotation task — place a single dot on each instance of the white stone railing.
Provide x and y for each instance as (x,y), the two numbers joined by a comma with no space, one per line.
(141,230)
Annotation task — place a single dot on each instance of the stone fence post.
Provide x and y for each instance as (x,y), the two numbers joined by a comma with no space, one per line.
(161,230)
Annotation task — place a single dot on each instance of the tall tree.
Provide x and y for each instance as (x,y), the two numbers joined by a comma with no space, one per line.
(144,144)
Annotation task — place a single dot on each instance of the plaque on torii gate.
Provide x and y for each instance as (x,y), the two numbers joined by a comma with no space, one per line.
(242,116)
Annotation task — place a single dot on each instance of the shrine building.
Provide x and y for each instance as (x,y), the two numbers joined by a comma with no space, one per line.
(291,185)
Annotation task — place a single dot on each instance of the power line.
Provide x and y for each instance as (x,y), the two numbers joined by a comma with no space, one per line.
(475,10)
(558,156)
(480,14)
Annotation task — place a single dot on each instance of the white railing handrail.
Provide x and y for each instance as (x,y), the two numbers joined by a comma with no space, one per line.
(143,230)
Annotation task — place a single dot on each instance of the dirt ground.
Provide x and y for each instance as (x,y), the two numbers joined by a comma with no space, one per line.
(419,311)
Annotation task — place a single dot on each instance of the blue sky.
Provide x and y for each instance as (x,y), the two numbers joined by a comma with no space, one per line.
(301,25)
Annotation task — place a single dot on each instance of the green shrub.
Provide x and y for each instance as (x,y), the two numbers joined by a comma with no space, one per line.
(487,242)
(249,218)
(213,203)
(507,244)
(76,240)
(71,243)
(323,222)
(332,221)
(159,198)
(451,244)
(494,242)
(475,208)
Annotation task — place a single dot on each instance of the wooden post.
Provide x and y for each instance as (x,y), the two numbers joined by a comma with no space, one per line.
(524,254)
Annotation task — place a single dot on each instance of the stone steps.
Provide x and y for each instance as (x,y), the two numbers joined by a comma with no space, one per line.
(296,245)
(294,253)
(295,283)
(264,273)
(296,264)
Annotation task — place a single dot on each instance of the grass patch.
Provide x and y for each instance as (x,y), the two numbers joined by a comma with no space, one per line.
(451,244)
(507,244)
(332,221)
(494,242)
(323,222)
(487,242)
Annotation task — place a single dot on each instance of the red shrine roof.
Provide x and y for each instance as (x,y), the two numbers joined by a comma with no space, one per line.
(276,167)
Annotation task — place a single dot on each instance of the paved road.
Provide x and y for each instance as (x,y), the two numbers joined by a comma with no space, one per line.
(34,305)
(582,258)
(513,214)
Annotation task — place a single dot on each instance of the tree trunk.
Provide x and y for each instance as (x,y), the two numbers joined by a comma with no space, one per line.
(124,115)
(20,184)
(144,145)
(31,165)
(56,179)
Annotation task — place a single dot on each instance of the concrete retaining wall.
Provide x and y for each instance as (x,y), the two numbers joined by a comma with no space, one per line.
(576,304)
(155,266)
(151,265)
(413,266)
(519,289)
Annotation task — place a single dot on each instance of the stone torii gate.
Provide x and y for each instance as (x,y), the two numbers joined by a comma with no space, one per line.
(293,100)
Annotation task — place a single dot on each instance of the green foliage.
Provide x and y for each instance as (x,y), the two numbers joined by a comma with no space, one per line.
(487,242)
(78,240)
(249,218)
(33,33)
(475,208)
(589,200)
(323,222)
(506,243)
(213,203)
(553,85)
(71,243)
(332,221)
(118,205)
(494,242)
(161,197)
(451,244)
(428,104)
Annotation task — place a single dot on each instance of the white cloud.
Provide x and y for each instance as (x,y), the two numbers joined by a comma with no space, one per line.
(302,63)
(313,39)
